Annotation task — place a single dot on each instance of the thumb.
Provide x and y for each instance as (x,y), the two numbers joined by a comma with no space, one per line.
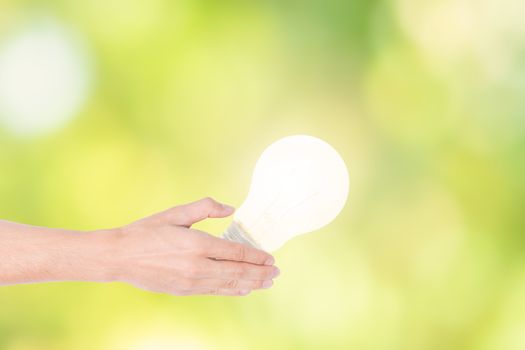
(188,214)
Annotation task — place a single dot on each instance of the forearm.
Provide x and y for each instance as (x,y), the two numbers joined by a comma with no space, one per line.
(31,254)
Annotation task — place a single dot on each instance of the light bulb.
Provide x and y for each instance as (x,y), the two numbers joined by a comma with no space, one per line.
(300,184)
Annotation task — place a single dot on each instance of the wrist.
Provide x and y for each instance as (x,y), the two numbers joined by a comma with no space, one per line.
(85,256)
(101,261)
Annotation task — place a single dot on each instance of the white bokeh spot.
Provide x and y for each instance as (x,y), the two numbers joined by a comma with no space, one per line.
(44,78)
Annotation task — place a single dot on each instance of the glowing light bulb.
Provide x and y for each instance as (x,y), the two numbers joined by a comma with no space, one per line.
(300,184)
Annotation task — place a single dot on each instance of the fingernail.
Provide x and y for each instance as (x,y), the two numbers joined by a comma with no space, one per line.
(276,271)
(270,261)
(267,284)
(244,291)
(228,207)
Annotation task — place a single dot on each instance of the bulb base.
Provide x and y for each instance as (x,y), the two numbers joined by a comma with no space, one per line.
(236,233)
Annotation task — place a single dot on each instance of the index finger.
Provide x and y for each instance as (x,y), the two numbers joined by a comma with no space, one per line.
(221,249)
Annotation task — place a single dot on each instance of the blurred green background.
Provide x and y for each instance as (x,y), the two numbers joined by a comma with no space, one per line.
(177,99)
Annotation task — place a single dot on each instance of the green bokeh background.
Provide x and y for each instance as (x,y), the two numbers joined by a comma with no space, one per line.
(423,99)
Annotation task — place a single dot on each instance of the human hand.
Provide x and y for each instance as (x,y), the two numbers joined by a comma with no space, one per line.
(162,253)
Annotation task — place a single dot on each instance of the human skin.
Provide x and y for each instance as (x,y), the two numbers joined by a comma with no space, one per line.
(160,253)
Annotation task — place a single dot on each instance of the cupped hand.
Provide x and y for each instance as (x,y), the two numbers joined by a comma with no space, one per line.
(162,253)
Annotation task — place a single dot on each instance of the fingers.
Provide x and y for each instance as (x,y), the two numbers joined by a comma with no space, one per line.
(188,214)
(230,270)
(232,284)
(222,287)
(226,292)
(208,291)
(222,249)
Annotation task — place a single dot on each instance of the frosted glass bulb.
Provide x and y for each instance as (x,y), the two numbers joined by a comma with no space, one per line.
(300,184)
